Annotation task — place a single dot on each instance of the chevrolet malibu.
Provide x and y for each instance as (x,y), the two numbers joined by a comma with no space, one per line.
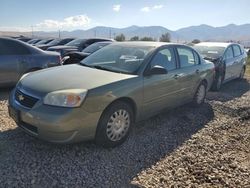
(108,92)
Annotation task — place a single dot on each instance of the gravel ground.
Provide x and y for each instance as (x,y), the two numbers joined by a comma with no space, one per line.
(186,147)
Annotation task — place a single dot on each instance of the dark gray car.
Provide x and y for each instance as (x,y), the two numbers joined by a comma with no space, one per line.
(18,58)
(76,45)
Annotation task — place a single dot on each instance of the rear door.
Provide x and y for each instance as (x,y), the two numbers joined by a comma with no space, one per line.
(229,61)
(238,60)
(9,67)
(188,77)
(14,58)
(162,91)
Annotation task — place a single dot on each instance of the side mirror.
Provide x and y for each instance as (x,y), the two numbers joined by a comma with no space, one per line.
(157,70)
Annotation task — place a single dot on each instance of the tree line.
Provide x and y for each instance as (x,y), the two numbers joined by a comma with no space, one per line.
(164,38)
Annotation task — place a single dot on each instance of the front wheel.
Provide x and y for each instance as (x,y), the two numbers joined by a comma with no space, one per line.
(200,94)
(114,125)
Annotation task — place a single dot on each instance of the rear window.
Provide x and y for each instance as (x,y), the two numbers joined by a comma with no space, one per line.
(9,47)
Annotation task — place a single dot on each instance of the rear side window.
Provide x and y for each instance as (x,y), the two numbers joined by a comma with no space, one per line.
(9,47)
(186,57)
(165,58)
(229,53)
(196,58)
(237,51)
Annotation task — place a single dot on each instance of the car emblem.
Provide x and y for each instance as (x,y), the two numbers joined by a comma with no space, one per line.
(20,97)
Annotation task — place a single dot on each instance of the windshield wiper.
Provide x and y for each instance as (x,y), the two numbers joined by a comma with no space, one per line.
(101,67)
(83,64)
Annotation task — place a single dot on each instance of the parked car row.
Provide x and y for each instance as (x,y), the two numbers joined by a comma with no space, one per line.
(112,85)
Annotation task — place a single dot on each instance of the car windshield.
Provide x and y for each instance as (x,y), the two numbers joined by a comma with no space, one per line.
(75,42)
(212,52)
(94,47)
(42,42)
(118,58)
(54,42)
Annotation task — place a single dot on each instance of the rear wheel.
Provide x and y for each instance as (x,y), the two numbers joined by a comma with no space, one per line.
(114,125)
(200,94)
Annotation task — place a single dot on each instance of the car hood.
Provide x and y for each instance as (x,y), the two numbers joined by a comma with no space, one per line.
(40,83)
(62,47)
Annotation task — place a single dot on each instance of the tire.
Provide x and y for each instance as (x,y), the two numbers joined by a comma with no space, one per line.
(114,125)
(200,94)
(217,83)
(242,73)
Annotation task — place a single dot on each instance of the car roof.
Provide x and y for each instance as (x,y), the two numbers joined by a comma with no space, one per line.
(217,44)
(145,43)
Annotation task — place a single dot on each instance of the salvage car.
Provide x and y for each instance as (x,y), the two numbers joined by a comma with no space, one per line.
(102,97)
(18,58)
(76,45)
(76,57)
(229,59)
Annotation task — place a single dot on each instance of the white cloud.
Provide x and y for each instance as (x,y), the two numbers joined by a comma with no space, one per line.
(16,29)
(73,21)
(148,9)
(116,8)
(157,6)
(145,9)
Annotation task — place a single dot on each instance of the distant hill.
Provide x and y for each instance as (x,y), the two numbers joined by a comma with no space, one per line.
(202,32)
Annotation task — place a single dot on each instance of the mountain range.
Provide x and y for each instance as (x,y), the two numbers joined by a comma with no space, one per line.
(202,32)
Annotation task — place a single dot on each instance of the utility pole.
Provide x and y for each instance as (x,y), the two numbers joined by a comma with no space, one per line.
(32,31)
(59,33)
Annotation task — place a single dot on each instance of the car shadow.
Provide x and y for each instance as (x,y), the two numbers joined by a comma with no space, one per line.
(41,164)
(230,90)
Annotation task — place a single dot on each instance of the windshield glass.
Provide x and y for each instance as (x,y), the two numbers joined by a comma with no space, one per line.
(43,41)
(75,42)
(118,58)
(94,47)
(54,42)
(212,52)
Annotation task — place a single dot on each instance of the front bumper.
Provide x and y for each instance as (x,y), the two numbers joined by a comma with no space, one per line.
(54,124)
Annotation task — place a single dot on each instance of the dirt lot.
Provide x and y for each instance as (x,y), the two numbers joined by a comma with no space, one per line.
(187,147)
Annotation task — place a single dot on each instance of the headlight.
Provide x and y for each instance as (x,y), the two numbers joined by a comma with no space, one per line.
(66,98)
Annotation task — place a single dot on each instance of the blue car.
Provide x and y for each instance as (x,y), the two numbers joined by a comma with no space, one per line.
(18,58)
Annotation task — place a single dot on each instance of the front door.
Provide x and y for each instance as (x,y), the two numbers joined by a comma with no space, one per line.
(162,91)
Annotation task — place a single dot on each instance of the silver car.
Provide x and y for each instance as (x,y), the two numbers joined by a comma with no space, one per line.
(229,59)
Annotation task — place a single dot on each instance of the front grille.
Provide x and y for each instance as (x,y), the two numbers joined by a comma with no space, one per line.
(24,99)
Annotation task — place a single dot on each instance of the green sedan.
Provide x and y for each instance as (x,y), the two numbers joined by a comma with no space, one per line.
(108,92)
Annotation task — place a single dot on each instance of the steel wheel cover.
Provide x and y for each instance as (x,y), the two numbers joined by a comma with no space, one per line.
(118,125)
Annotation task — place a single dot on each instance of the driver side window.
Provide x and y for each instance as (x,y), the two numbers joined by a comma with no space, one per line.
(165,58)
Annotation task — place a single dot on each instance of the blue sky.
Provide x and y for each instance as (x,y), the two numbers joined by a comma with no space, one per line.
(51,15)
